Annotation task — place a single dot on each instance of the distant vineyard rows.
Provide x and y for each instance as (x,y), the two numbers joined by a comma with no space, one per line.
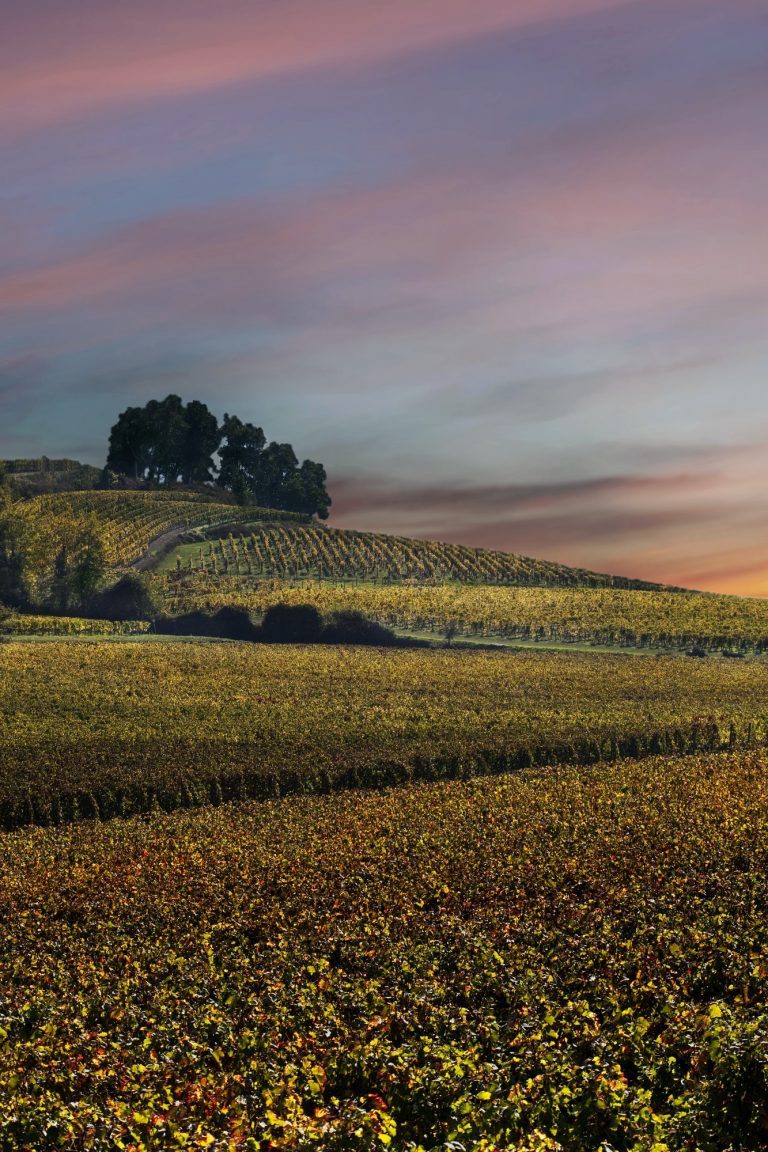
(602,615)
(284,551)
(106,730)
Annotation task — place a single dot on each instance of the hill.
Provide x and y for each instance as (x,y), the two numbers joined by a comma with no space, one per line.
(310,550)
(31,477)
(271,543)
(130,520)
(204,554)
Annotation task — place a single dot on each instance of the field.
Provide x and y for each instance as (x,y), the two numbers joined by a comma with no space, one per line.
(108,729)
(223,927)
(561,960)
(128,521)
(27,624)
(603,615)
(290,550)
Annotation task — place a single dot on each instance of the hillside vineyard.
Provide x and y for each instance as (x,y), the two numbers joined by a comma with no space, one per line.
(609,616)
(84,733)
(282,550)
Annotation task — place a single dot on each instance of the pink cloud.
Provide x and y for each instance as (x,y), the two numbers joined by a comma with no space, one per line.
(696,526)
(67,60)
(600,242)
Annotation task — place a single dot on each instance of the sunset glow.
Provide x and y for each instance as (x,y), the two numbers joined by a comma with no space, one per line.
(502,267)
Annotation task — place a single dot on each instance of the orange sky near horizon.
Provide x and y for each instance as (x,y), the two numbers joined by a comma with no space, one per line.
(502,267)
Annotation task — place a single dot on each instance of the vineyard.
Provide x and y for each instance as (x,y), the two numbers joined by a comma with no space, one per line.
(290,551)
(110,729)
(564,615)
(128,521)
(553,962)
(29,625)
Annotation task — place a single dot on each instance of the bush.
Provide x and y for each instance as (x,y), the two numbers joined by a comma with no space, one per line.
(285,624)
(226,624)
(291,624)
(354,628)
(128,599)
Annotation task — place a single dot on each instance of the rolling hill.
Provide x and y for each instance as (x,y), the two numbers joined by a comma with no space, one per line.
(205,554)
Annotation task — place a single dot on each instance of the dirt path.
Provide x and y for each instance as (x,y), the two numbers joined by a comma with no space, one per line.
(159,546)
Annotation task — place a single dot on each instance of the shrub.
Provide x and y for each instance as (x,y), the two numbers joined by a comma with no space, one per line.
(291,624)
(354,628)
(128,599)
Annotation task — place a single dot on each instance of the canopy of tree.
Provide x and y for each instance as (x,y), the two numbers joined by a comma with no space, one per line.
(167,442)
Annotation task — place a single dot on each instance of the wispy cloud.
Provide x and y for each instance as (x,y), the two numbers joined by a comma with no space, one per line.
(508,260)
(64,62)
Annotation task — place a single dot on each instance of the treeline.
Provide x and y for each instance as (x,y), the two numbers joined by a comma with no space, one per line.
(168,442)
(285,624)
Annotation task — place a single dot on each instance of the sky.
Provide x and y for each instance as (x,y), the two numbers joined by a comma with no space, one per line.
(501,265)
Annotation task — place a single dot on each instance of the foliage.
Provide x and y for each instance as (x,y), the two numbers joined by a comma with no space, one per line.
(563,615)
(129,521)
(32,477)
(167,441)
(226,624)
(129,598)
(60,559)
(292,624)
(562,961)
(113,729)
(354,628)
(284,624)
(292,550)
(11,583)
(269,474)
(27,624)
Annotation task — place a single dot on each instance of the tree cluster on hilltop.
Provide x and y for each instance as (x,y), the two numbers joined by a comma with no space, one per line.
(168,442)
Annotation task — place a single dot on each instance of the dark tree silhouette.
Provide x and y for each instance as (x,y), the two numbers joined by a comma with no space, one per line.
(269,475)
(167,441)
(240,456)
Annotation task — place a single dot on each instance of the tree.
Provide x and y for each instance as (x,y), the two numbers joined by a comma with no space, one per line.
(314,497)
(11,555)
(129,443)
(277,470)
(240,457)
(129,599)
(201,441)
(62,560)
(167,441)
(291,624)
(164,441)
(269,474)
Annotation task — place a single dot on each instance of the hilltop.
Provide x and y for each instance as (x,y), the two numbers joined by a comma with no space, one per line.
(275,543)
(199,553)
